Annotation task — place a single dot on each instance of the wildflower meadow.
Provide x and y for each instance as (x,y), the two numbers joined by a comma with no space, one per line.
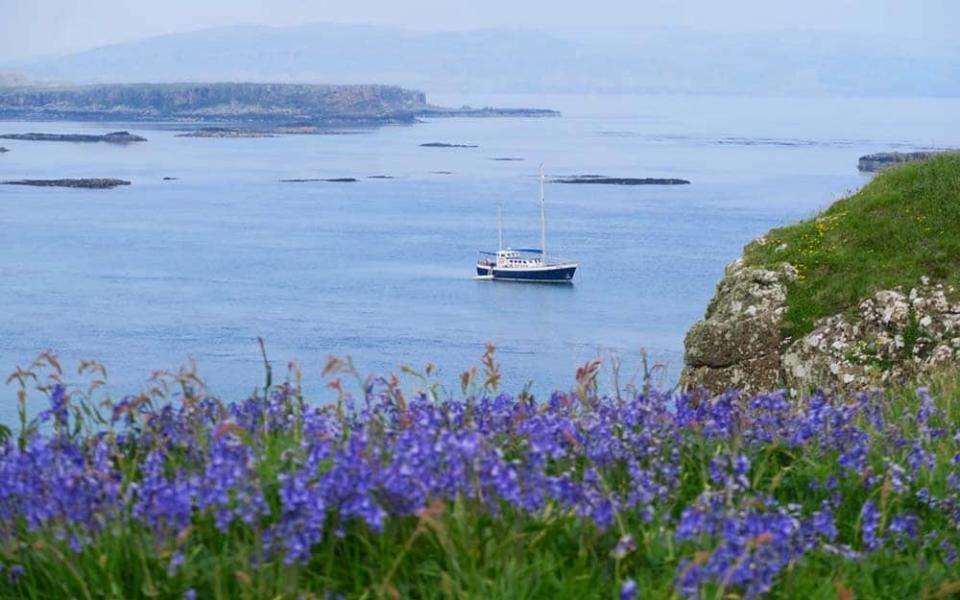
(389,493)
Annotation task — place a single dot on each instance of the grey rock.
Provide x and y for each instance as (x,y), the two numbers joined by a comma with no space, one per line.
(91,183)
(328,180)
(602,180)
(114,137)
(737,343)
(890,337)
(446,145)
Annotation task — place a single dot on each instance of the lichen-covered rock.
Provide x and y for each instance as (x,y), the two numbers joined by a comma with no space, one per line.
(737,343)
(891,337)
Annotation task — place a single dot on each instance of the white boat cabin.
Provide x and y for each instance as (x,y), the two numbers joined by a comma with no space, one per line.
(511,259)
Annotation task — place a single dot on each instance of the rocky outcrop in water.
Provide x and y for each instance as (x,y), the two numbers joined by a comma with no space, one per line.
(468,111)
(225,133)
(2,150)
(114,137)
(882,160)
(328,180)
(91,183)
(603,180)
(446,145)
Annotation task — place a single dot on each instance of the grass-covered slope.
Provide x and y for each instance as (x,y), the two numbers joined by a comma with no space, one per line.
(903,225)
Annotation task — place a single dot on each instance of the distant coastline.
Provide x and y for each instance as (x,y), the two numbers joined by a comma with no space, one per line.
(247,105)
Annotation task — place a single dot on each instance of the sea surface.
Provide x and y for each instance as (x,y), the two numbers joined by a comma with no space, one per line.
(160,273)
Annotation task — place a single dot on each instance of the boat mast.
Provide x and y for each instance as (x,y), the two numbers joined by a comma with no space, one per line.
(543,222)
(499,227)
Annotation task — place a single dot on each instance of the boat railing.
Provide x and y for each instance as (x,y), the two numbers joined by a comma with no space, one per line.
(490,258)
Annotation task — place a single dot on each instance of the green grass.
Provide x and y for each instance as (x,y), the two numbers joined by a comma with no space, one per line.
(903,225)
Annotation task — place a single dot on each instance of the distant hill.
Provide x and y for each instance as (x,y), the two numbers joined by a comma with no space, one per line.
(519,61)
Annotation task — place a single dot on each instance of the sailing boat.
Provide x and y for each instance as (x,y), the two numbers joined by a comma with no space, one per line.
(525,264)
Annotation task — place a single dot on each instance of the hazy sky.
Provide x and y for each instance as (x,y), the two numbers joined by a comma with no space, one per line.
(36,27)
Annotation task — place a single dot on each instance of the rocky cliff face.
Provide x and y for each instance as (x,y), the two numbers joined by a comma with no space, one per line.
(888,337)
(737,344)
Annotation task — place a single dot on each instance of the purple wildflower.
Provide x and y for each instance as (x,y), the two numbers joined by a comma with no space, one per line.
(870,523)
(625,545)
(628,590)
(15,572)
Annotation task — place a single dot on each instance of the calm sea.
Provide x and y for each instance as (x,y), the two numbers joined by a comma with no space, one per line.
(155,274)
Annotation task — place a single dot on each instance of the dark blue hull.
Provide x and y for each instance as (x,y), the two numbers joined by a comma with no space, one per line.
(560,274)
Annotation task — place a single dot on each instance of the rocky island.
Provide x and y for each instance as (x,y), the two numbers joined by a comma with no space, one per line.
(115,137)
(2,150)
(250,105)
(863,295)
(89,183)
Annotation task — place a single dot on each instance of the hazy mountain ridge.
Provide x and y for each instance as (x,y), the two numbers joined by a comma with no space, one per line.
(520,61)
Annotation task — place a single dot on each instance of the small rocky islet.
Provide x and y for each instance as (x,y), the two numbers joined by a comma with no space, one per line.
(447,145)
(263,131)
(215,132)
(114,137)
(320,179)
(604,180)
(95,183)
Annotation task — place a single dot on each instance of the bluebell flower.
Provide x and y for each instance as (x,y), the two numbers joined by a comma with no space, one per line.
(870,523)
(628,590)
(15,573)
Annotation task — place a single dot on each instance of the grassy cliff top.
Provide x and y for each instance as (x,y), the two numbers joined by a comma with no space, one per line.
(903,225)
